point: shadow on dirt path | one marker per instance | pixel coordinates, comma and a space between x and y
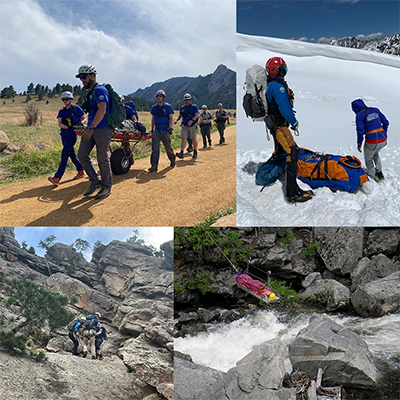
180, 196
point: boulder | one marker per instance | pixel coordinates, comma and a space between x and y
4, 141
196, 382
379, 297
370, 270
150, 364
326, 344
263, 367
258, 375
328, 292
340, 248
383, 240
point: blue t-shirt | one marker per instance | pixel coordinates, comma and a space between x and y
99, 95
161, 115
75, 113
189, 110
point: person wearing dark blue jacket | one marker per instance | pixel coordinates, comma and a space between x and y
75, 333
280, 101
371, 123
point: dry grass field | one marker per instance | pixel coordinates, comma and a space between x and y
32, 162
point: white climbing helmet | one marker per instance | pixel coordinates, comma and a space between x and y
187, 96
67, 95
98, 314
86, 69
160, 91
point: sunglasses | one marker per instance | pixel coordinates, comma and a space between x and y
159, 95
83, 76
187, 99
66, 99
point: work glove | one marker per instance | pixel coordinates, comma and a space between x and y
169, 130
88, 132
359, 149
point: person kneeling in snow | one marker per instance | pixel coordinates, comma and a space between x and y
374, 125
280, 108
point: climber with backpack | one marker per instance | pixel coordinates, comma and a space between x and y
374, 125
68, 117
100, 336
106, 112
280, 102
75, 331
89, 327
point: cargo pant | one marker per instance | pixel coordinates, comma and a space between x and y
372, 159
284, 143
157, 137
101, 138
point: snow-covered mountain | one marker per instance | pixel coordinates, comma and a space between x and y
325, 79
387, 44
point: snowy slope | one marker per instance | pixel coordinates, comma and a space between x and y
325, 79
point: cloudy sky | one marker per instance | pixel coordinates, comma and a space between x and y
132, 43
153, 236
316, 20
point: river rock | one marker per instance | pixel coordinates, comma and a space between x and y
332, 294
385, 240
326, 344
370, 270
379, 297
4, 140
340, 248
258, 375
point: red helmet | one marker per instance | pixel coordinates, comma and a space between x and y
276, 66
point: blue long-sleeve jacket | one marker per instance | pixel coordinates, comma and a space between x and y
278, 100
77, 326
371, 125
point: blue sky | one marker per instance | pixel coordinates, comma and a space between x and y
132, 43
153, 236
315, 19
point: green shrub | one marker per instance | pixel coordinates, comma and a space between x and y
311, 249
288, 237
13, 343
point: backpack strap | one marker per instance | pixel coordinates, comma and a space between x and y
365, 114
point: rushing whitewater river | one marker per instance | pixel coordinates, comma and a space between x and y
225, 344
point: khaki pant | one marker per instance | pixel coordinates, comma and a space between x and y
88, 336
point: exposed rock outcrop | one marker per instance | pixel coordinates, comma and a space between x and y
326, 344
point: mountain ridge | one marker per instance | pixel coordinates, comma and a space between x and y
214, 88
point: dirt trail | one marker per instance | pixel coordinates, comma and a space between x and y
180, 196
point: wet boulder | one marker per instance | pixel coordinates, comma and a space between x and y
346, 357
379, 297
328, 292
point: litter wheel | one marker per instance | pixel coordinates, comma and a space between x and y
120, 162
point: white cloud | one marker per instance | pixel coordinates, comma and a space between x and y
175, 38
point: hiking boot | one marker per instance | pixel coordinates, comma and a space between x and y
209, 144
55, 181
380, 176
299, 198
103, 193
180, 154
92, 188
80, 174
205, 146
172, 165
152, 169
220, 141
84, 354
101, 357
194, 154
189, 149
